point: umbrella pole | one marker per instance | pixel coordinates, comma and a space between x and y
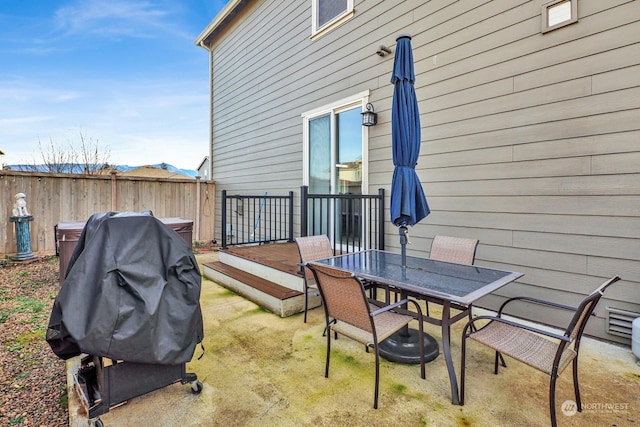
404, 239
404, 345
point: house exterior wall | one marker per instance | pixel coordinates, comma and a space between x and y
204, 169
529, 140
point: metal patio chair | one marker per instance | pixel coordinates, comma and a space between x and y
459, 250
349, 312
311, 248
454, 249
545, 351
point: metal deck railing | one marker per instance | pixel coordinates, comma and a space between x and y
353, 222
256, 219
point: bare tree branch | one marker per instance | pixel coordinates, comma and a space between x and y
56, 158
95, 160
86, 157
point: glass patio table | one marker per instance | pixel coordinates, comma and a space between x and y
454, 286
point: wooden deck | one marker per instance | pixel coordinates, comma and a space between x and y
265, 274
281, 256
256, 282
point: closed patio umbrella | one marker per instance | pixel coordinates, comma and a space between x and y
408, 202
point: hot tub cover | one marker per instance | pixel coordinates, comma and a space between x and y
132, 292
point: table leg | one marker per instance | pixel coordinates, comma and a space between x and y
446, 348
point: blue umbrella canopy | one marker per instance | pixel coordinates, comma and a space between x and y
408, 202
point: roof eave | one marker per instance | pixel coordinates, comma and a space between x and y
205, 160
227, 12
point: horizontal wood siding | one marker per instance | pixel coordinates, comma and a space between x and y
529, 140
530, 145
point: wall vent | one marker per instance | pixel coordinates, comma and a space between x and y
619, 321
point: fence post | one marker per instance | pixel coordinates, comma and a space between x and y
114, 192
223, 210
197, 218
381, 220
304, 206
290, 216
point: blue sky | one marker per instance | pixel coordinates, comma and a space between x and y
126, 73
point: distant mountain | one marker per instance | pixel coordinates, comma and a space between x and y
79, 168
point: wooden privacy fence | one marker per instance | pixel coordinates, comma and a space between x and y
52, 198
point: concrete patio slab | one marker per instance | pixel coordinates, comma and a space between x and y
263, 370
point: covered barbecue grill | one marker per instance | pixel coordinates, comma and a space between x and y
130, 302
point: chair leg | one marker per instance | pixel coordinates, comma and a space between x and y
463, 352
500, 358
306, 302
502, 362
576, 387
552, 399
421, 344
375, 395
326, 365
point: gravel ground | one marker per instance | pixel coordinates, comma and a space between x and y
32, 378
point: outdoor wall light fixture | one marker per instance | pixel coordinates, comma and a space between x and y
383, 51
369, 117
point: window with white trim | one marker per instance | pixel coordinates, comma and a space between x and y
335, 147
327, 14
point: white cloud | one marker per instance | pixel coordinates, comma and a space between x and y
115, 19
23, 91
5, 123
146, 106
140, 122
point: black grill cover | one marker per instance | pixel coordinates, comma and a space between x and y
132, 292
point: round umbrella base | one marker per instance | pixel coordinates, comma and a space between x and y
404, 347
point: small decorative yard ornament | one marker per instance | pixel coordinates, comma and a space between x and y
21, 218
20, 207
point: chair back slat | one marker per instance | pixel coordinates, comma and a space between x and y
585, 309
454, 249
343, 296
313, 248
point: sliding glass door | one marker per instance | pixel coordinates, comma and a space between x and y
335, 166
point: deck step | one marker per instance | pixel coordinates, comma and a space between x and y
272, 296
263, 285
